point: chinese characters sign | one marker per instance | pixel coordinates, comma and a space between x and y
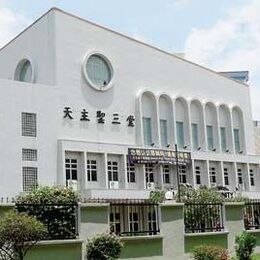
100, 117
139, 155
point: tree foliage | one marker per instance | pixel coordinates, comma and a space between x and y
56, 207
208, 252
18, 233
104, 247
245, 245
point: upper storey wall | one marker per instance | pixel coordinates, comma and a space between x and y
136, 68
36, 43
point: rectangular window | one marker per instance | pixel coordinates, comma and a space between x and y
223, 137
115, 223
182, 174
236, 140
239, 176
180, 134
71, 168
226, 178
166, 174
197, 174
30, 178
130, 172
133, 221
29, 154
212, 176
29, 124
163, 130
210, 137
195, 137
92, 170
149, 174
252, 177
112, 170
147, 131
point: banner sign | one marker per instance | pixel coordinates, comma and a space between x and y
140, 156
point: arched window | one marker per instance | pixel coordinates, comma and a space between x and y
24, 71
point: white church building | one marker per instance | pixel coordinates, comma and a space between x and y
85, 106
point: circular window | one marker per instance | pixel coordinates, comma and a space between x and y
98, 71
24, 71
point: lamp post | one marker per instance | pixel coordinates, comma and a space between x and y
178, 175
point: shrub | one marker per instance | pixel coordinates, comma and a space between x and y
104, 246
208, 252
245, 244
157, 196
18, 233
56, 207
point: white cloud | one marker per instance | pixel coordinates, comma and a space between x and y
232, 43
11, 23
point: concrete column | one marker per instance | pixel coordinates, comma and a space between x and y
172, 230
233, 222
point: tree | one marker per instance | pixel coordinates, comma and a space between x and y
104, 247
18, 233
245, 245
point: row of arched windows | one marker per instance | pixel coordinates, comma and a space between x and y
191, 124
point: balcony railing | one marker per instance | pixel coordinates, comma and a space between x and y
130, 219
252, 215
203, 217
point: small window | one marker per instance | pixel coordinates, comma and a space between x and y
226, 178
197, 173
24, 71
130, 172
98, 71
180, 134
252, 177
163, 131
182, 174
30, 178
112, 170
239, 176
29, 155
71, 168
29, 124
212, 176
210, 137
147, 131
166, 174
92, 170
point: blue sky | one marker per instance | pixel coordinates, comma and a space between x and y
220, 34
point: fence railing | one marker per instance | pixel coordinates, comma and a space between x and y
252, 215
203, 217
61, 220
134, 219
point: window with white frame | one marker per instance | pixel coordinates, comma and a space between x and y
92, 170
180, 134
29, 154
252, 177
226, 178
152, 220
130, 172
112, 170
236, 140
223, 137
147, 131
212, 176
195, 136
197, 174
166, 174
210, 137
183, 174
29, 124
149, 174
115, 221
239, 176
30, 178
71, 169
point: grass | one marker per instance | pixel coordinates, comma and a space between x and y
256, 257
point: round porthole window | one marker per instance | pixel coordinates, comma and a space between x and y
24, 71
98, 71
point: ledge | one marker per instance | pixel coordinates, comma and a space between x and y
206, 234
253, 231
94, 205
172, 204
7, 205
60, 242
234, 204
129, 238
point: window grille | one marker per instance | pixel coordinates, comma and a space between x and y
30, 178
92, 170
239, 176
29, 154
226, 179
212, 176
149, 174
29, 124
130, 172
182, 174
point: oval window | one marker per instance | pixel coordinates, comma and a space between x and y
98, 71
